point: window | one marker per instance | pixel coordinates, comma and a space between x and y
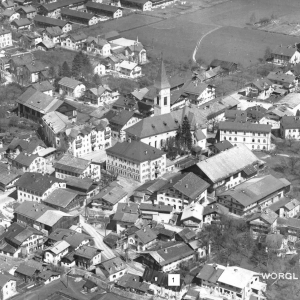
230, 139
244, 139
264, 141
253, 140
165, 101
235, 139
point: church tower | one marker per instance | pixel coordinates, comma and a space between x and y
162, 101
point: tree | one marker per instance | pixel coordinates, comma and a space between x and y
87, 68
65, 70
268, 54
77, 65
186, 135
97, 80
52, 72
253, 19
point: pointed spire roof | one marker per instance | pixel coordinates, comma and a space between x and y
161, 81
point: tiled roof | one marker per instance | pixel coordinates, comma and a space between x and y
255, 189
38, 101
287, 203
54, 31
37, 182
5, 278
43, 86
26, 9
60, 4
235, 115
223, 145
77, 14
267, 215
87, 251
45, 275
71, 163
291, 100
210, 273
61, 197
135, 151
26, 270
126, 217
111, 194
281, 77
146, 235
156, 208
195, 88
50, 21
69, 82
227, 163
113, 265
215, 209
171, 254
192, 211
122, 118
28, 146
187, 234
284, 50
6, 175
51, 217
74, 238
25, 159
31, 210
246, 127
21, 22
56, 121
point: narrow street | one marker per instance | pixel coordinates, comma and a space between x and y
107, 252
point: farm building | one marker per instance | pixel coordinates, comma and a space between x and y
283, 55
144, 5
78, 17
45, 22
104, 10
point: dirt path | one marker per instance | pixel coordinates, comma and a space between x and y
199, 42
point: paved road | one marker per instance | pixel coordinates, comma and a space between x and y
107, 252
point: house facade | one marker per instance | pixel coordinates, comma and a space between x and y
254, 136
5, 38
71, 87
290, 127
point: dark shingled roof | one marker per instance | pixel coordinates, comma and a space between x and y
25, 159
37, 182
101, 7
210, 273
247, 126
135, 151
223, 145
113, 265
74, 13
49, 21
290, 122
72, 164
61, 197
31, 210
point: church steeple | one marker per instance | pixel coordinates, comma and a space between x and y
161, 81
162, 101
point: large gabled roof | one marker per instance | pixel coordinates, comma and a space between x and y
61, 197
71, 163
77, 14
245, 127
69, 82
101, 7
25, 159
50, 21
227, 163
135, 151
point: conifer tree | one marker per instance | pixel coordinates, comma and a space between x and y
186, 136
77, 65
65, 70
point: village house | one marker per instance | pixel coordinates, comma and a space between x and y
254, 136
169, 257
143, 5
90, 286
99, 96
53, 254
64, 200
80, 17
47, 276
31, 145
8, 286
44, 86
127, 215
53, 34
290, 127
227, 169
28, 162
136, 53
74, 238
159, 213
109, 198
19, 241
7, 4
8, 177
10, 15
286, 81
263, 223
36, 187
220, 147
290, 227
186, 235
44, 22
121, 121
87, 257
192, 215
286, 207
98, 67
130, 69
85, 186
159, 284
181, 190
291, 102
227, 66
21, 24
198, 93
96, 45
231, 282
73, 166
5, 38
28, 12
84, 139
212, 213
43, 217
71, 87
133, 283
136, 160
112, 269
142, 239
27, 273
283, 55
53, 9
104, 9
259, 88
254, 194
74, 41
161, 3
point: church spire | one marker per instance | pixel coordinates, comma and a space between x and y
161, 82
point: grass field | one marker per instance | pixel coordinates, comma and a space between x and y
178, 36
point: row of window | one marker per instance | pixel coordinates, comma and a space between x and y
244, 140
245, 133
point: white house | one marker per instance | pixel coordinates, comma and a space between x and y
199, 92
130, 69
290, 127
54, 254
98, 46
71, 87
112, 269
8, 286
28, 162
282, 55
254, 136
